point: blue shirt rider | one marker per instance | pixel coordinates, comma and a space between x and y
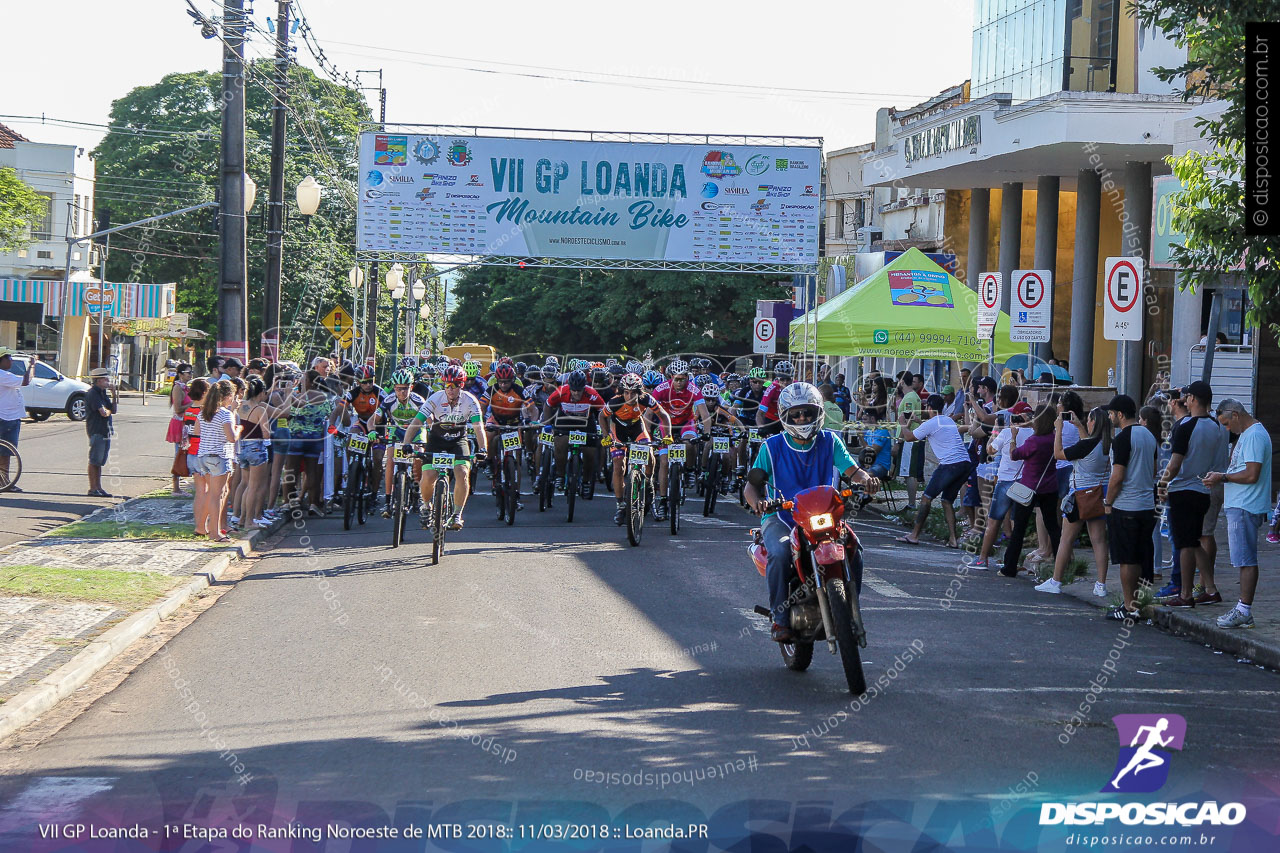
801, 457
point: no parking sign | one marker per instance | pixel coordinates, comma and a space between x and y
1030, 310
765, 335
1120, 320
989, 286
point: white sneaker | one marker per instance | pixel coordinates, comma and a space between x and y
1050, 585
1235, 619
1100, 589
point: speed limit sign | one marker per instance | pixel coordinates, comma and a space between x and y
765, 335
1121, 314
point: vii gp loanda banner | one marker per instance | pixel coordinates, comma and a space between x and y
584, 199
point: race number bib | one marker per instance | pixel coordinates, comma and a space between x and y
577, 438
753, 434
403, 455
720, 444
639, 454
282, 423
676, 453
358, 443
442, 461
545, 439
510, 441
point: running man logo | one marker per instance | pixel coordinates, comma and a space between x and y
1143, 764
881, 336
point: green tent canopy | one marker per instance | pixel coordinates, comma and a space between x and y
912, 308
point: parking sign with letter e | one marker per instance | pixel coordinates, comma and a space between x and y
1122, 310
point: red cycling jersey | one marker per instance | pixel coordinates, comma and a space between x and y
679, 404
578, 414
770, 402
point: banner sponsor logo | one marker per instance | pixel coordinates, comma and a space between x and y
758, 165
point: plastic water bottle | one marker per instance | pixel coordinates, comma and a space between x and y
1111, 377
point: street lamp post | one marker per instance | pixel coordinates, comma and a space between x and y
356, 277
308, 198
416, 292
395, 283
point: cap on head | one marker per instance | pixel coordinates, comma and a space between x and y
1123, 404
1202, 391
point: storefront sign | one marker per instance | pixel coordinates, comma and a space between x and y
957, 133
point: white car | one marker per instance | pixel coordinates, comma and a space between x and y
50, 391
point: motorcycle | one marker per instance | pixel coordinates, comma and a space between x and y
827, 562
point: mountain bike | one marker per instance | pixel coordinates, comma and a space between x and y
715, 476
575, 481
403, 490
546, 470
677, 459
637, 488
442, 506
355, 492
506, 483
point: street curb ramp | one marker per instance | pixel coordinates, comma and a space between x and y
75, 673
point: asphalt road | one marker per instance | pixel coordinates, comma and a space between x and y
336, 669
55, 455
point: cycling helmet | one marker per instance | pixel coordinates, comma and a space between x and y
784, 368
704, 379
429, 370
453, 375
363, 374
631, 382
472, 369
456, 361
533, 374
756, 373
408, 361
732, 377
652, 379
634, 366
577, 381
678, 367
616, 369
800, 397
506, 359
403, 376
551, 359
521, 367
601, 379
504, 373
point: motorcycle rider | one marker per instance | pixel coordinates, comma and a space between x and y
801, 457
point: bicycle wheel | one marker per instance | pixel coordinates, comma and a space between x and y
349, 497
398, 498
511, 471
713, 486
499, 492
439, 511
635, 492
573, 482
546, 482
361, 492
675, 494
9, 478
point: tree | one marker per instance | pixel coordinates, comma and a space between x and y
20, 208
163, 154
1211, 209
608, 311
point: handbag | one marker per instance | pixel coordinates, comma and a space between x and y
1089, 503
1023, 494
179, 468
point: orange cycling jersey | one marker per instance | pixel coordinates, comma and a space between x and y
505, 405
629, 413
365, 403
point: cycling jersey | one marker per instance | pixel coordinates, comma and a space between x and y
365, 403
450, 422
680, 405
538, 394
423, 389
575, 414
629, 413
399, 414
504, 405
770, 401
475, 387
746, 402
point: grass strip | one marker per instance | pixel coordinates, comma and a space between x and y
125, 589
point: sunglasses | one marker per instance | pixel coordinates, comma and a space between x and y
804, 415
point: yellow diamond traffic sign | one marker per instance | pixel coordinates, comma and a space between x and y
344, 341
338, 322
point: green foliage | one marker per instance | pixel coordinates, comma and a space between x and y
142, 174
20, 208
607, 310
1211, 209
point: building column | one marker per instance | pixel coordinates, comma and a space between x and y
1084, 276
1010, 237
1136, 240
979, 218
9, 334
1046, 256
1188, 310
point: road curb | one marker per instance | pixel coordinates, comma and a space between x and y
66, 679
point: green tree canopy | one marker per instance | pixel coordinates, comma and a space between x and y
20, 208
599, 311
1211, 210
163, 155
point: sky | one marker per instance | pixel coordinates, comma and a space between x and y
657, 66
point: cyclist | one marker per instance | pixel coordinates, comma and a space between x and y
507, 407
623, 420
652, 379
447, 414
767, 413
721, 417
573, 406
362, 401
802, 457
424, 382
683, 402
397, 410
475, 386
605, 384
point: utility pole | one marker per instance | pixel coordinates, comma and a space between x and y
233, 320
275, 201
372, 290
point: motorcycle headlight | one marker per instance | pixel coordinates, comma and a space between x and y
821, 522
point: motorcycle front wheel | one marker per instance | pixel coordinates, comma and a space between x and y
842, 622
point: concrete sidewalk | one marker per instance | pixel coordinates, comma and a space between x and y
73, 599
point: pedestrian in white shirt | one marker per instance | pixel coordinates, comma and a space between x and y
954, 464
12, 410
